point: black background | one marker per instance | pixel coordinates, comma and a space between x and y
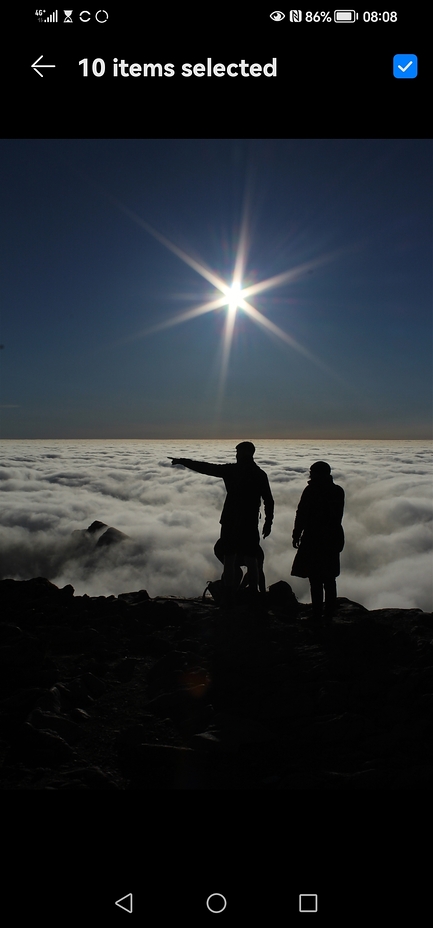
333, 80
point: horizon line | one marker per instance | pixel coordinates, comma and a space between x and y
223, 438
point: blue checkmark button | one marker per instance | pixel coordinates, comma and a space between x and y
405, 66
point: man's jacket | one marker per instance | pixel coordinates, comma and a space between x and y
246, 484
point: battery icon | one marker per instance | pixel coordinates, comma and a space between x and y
345, 16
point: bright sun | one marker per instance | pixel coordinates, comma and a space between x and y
234, 295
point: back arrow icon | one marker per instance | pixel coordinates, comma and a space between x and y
41, 65
125, 903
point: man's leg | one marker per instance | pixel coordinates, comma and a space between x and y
252, 573
330, 596
229, 573
316, 587
262, 581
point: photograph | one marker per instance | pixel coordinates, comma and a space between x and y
216, 470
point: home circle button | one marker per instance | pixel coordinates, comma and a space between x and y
216, 902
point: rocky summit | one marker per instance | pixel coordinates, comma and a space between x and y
130, 692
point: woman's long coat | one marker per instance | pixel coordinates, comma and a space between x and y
318, 525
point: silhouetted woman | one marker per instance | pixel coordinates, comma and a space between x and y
318, 535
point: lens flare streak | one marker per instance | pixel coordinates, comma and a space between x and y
234, 296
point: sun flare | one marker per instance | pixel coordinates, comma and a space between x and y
234, 295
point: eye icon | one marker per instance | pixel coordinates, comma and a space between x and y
277, 15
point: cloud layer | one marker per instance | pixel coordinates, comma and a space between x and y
171, 515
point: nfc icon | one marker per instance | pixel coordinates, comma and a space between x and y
295, 16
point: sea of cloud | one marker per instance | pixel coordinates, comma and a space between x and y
49, 489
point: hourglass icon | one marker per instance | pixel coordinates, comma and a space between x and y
68, 16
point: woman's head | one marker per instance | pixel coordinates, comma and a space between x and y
320, 471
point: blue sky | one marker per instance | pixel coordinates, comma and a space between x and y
82, 280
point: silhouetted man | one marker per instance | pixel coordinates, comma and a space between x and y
247, 485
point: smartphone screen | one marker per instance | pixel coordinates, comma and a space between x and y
216, 229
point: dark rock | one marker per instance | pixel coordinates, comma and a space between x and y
417, 777
347, 608
152, 645
94, 686
49, 721
96, 528
124, 669
35, 746
332, 696
165, 669
98, 535
110, 537
38, 588
50, 701
9, 633
79, 715
95, 778
133, 598
15, 709
161, 766
262, 698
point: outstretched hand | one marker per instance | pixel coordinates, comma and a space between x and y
266, 529
295, 542
176, 461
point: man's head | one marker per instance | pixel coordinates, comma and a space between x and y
244, 452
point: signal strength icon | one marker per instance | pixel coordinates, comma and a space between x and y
51, 18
